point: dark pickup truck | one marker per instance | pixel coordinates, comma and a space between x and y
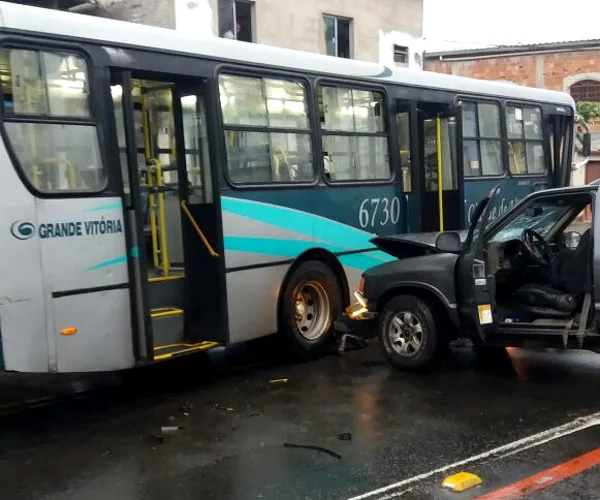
527, 279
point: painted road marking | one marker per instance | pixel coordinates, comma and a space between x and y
398, 489
545, 478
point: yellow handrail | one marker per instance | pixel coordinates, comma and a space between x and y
150, 180
198, 230
162, 220
152, 216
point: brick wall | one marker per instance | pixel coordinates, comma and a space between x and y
556, 71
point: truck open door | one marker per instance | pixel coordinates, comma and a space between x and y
475, 289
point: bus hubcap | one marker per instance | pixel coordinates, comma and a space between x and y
406, 334
312, 310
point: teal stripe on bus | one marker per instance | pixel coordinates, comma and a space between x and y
112, 262
314, 226
364, 261
108, 206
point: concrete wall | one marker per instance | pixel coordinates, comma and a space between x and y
297, 24
160, 13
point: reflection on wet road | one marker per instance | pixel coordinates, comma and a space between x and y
386, 426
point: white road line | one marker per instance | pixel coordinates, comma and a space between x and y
576, 425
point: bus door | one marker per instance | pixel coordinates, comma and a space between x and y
406, 134
173, 214
440, 193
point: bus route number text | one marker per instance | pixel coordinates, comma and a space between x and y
379, 211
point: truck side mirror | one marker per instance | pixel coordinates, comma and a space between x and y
586, 144
448, 242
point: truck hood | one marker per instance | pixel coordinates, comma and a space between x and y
402, 246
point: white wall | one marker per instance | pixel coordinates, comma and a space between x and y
195, 17
387, 40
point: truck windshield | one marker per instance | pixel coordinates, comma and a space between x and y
541, 217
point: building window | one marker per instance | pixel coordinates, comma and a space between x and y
586, 90
267, 130
235, 20
355, 136
137, 14
525, 140
482, 144
337, 36
400, 55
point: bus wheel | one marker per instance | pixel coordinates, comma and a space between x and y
311, 302
408, 334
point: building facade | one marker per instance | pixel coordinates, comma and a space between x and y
572, 67
386, 31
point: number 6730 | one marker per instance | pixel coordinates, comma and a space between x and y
379, 211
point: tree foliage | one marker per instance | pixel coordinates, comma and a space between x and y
588, 110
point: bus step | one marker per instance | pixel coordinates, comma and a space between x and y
171, 350
165, 312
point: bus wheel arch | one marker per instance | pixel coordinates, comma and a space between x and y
312, 295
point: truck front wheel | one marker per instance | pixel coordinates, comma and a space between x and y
409, 337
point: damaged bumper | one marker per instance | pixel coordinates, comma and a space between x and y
357, 319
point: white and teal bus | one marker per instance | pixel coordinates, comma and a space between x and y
162, 195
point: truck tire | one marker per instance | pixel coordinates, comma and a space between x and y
311, 302
409, 337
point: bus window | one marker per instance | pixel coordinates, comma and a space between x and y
48, 120
403, 124
195, 138
267, 131
482, 144
525, 142
116, 92
354, 134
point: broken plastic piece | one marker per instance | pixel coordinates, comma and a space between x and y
461, 481
313, 447
171, 428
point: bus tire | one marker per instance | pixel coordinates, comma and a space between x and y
408, 334
310, 304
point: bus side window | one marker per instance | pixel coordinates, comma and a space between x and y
354, 134
48, 120
267, 130
482, 143
525, 140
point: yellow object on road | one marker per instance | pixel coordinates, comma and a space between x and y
461, 482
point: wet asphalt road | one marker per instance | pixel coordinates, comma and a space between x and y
235, 423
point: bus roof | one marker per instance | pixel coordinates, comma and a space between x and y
36, 20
